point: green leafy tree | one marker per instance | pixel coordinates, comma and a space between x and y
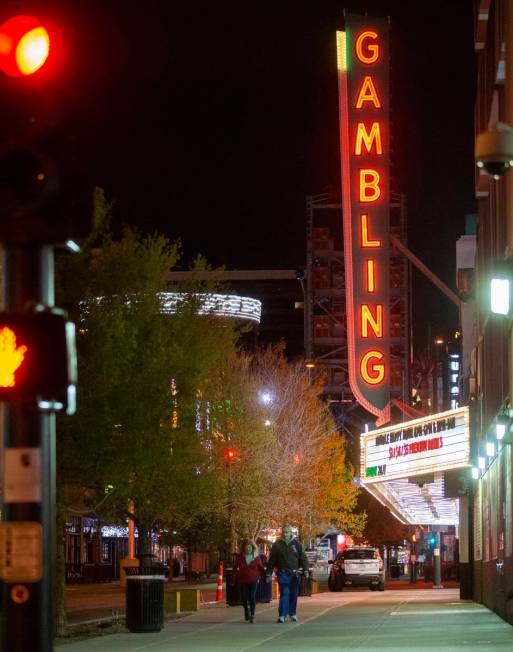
134, 435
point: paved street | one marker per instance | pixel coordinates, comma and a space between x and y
421, 619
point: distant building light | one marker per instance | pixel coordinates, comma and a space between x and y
439, 340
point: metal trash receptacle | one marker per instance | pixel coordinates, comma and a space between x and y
305, 585
145, 597
233, 591
264, 592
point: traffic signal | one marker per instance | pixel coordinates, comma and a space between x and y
45, 196
24, 46
230, 454
38, 359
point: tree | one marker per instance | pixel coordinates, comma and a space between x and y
134, 435
288, 461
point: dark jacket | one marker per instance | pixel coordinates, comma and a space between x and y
287, 557
247, 573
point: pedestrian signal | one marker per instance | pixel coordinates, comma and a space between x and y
38, 359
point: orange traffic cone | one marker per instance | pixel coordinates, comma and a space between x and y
219, 594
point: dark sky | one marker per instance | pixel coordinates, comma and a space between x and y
211, 122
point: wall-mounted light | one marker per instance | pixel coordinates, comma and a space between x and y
501, 426
481, 463
475, 473
490, 448
500, 288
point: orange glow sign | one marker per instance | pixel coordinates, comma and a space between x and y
11, 357
362, 58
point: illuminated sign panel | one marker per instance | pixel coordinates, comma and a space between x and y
431, 444
362, 57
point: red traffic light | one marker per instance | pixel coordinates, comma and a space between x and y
24, 46
230, 454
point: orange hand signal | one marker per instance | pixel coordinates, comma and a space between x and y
11, 357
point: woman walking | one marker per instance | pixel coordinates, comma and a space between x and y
247, 570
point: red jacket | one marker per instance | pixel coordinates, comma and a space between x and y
247, 574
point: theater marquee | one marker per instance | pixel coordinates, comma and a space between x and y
362, 56
423, 446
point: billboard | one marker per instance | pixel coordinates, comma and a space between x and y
432, 444
363, 62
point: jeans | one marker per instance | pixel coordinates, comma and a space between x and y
248, 594
289, 589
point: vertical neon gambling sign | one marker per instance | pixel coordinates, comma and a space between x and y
362, 59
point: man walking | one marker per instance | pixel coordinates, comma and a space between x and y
288, 558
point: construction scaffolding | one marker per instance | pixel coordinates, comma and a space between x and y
325, 303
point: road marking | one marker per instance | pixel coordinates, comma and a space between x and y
441, 612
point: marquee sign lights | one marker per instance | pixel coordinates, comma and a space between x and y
431, 444
362, 57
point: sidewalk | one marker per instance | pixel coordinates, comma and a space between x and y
97, 602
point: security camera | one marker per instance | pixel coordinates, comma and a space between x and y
494, 149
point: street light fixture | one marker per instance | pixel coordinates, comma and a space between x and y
266, 397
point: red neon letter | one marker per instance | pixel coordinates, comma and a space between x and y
368, 93
372, 53
369, 180
371, 275
372, 372
362, 137
368, 319
365, 233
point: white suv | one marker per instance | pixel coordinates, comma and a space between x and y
357, 566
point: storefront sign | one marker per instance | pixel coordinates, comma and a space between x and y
434, 443
362, 56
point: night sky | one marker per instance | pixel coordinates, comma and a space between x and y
211, 122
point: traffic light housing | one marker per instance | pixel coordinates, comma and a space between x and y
45, 193
38, 359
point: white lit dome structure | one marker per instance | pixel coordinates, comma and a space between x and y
218, 305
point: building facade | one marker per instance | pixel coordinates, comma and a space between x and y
489, 372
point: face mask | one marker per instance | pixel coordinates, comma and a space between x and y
287, 535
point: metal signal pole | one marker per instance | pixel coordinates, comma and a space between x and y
28, 532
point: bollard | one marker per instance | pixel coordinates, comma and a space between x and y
219, 594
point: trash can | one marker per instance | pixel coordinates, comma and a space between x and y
145, 596
395, 572
233, 591
264, 592
305, 585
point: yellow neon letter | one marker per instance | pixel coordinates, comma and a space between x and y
372, 53
368, 319
365, 233
368, 93
371, 275
372, 372
362, 137
369, 180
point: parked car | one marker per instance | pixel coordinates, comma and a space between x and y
357, 566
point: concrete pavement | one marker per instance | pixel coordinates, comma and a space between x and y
393, 621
